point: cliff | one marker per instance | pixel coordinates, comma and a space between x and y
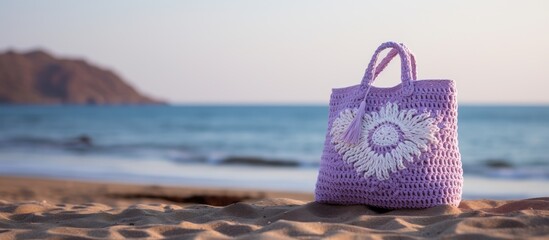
37, 77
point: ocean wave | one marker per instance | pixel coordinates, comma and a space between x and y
507, 170
32, 141
86, 144
182, 154
257, 161
172, 152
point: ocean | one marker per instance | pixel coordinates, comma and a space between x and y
505, 149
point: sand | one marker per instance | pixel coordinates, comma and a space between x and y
42, 208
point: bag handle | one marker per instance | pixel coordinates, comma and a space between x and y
353, 132
381, 66
406, 74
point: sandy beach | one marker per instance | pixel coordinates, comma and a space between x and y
34, 208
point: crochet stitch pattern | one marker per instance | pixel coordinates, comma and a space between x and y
407, 153
388, 138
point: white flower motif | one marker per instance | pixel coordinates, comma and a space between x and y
388, 138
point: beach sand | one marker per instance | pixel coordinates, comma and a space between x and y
33, 208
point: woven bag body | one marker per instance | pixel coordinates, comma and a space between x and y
392, 147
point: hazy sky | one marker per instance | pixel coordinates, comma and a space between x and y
291, 51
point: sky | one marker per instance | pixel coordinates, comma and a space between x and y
287, 51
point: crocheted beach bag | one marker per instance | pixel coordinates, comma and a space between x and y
392, 147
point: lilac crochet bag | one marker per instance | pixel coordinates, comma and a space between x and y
392, 147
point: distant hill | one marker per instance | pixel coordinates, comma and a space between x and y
37, 77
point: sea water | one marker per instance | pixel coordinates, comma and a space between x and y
504, 148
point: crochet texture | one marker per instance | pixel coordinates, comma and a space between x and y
407, 154
388, 139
